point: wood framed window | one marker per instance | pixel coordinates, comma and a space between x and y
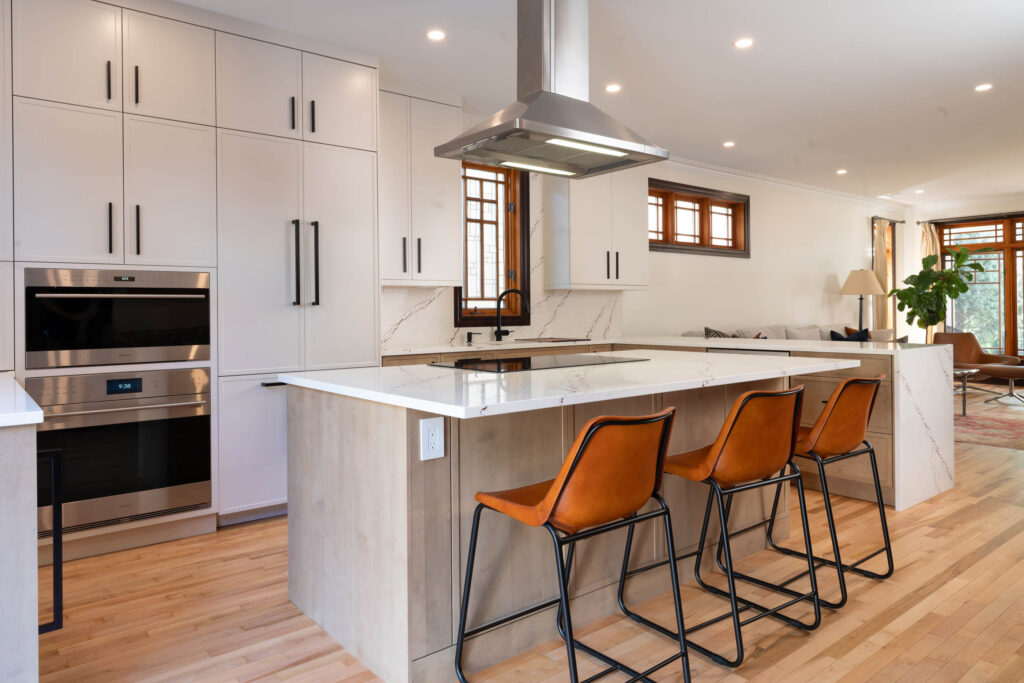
697, 220
993, 307
497, 246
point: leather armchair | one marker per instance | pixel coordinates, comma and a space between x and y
967, 352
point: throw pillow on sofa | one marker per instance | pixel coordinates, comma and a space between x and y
712, 333
857, 336
805, 332
873, 335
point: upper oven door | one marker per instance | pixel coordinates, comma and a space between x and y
99, 322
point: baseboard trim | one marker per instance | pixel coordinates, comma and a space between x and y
252, 515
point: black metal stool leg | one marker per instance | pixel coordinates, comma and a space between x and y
885, 526
566, 617
830, 518
465, 594
674, 573
816, 601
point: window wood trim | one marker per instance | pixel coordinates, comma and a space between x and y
1008, 246
706, 197
517, 242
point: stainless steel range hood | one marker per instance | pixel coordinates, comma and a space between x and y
552, 128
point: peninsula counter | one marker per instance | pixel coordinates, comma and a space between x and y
376, 536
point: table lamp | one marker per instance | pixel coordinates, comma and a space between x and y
862, 282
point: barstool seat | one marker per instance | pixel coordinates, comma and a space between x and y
613, 469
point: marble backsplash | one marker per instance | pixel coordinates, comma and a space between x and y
412, 317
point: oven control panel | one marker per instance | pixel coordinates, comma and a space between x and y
74, 389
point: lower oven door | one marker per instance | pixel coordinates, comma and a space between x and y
126, 460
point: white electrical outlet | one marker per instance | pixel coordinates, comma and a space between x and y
432, 438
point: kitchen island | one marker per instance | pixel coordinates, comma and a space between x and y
376, 535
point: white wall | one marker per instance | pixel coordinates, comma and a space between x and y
803, 244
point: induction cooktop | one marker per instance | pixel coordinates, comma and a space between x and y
533, 362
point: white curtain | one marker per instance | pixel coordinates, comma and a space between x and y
930, 245
880, 303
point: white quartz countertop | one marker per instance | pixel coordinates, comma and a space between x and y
468, 394
809, 345
16, 407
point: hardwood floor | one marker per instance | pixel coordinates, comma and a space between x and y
215, 607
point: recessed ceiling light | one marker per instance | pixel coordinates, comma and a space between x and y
613, 87
586, 148
884, 196
984, 87
728, 144
435, 34
744, 43
918, 191
840, 171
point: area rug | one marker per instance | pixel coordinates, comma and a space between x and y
990, 431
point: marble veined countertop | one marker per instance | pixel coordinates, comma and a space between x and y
810, 345
467, 394
16, 407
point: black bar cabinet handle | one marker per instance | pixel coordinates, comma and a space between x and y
110, 227
312, 116
405, 256
136, 84
316, 262
419, 254
608, 265
138, 230
616, 265
108, 80
271, 384
293, 113
298, 266
56, 505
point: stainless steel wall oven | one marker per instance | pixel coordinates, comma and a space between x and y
106, 317
132, 445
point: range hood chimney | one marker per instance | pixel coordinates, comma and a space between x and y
552, 128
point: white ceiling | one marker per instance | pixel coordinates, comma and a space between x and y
883, 88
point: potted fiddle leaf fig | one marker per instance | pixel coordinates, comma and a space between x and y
924, 297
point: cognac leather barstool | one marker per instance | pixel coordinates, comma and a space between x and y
613, 469
840, 433
753, 449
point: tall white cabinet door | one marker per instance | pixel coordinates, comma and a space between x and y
259, 205
6, 199
168, 69
393, 158
436, 195
68, 51
170, 192
339, 208
629, 226
6, 315
252, 444
67, 183
590, 252
339, 102
259, 86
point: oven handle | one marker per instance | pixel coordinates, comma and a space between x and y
43, 295
185, 404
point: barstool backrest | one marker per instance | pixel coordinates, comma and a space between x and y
758, 436
843, 422
612, 470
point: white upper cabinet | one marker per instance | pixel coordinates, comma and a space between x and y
339, 102
596, 232
68, 51
260, 296
436, 195
67, 183
6, 200
341, 284
393, 158
259, 86
421, 233
170, 192
168, 69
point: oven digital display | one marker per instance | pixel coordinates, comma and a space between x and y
124, 278
124, 386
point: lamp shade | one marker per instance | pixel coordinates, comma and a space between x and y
862, 282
